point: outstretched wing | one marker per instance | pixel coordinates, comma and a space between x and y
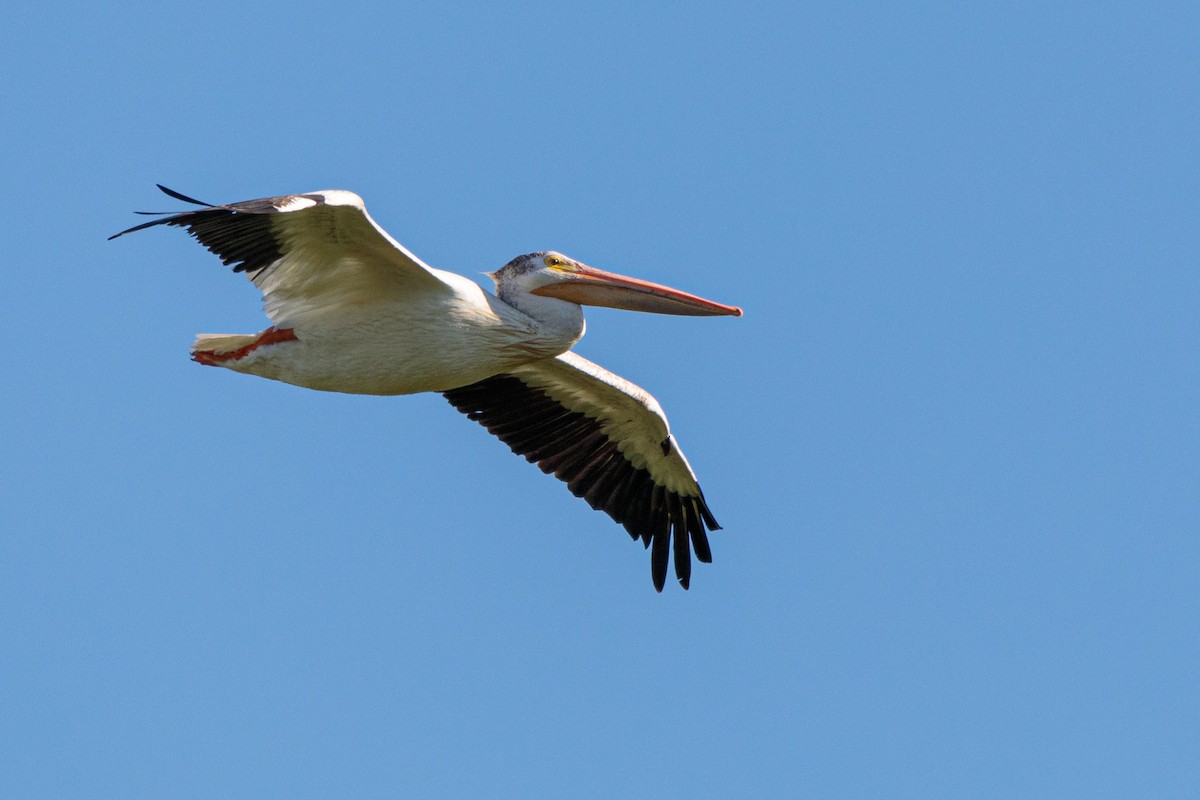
609, 440
308, 253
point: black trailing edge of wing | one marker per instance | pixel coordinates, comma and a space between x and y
573, 447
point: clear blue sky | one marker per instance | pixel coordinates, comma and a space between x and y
954, 442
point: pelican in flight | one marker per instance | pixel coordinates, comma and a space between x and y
353, 311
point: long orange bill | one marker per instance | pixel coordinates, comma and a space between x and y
589, 286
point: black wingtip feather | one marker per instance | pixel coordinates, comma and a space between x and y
709, 519
683, 556
659, 551
183, 197
141, 227
166, 217
699, 538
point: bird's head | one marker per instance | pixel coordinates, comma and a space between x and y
551, 274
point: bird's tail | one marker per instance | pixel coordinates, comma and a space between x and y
218, 349
225, 349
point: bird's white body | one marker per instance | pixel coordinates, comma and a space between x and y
445, 338
353, 311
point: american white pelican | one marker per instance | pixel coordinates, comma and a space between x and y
353, 311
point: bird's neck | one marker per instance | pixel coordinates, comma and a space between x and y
557, 319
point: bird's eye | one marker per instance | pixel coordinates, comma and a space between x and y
554, 262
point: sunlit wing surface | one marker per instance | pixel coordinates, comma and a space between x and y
306, 252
